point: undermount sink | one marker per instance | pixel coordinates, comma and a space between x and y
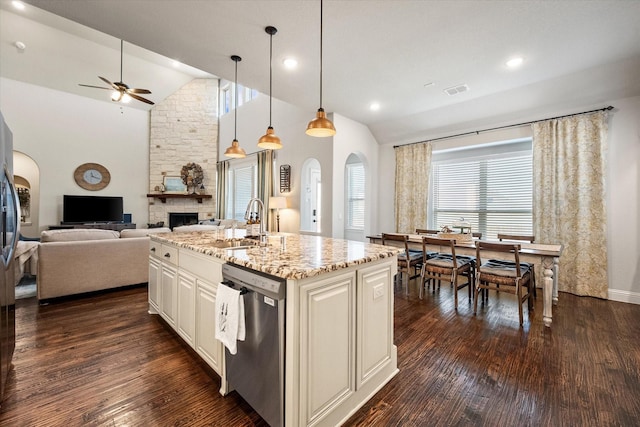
235, 244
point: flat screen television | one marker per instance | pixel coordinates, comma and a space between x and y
83, 209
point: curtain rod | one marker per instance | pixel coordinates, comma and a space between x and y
256, 153
504, 127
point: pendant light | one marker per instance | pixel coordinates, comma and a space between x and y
270, 140
320, 126
235, 151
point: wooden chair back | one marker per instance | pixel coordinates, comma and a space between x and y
516, 237
447, 244
507, 248
425, 231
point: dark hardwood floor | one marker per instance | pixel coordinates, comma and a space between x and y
103, 361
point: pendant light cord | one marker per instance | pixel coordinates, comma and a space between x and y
270, 73
321, 53
121, 48
235, 109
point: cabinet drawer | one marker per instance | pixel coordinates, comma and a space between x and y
155, 248
207, 268
169, 254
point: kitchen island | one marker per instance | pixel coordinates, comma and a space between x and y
339, 347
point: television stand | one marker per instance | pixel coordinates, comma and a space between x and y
116, 226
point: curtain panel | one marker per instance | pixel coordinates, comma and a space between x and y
413, 165
569, 190
265, 184
222, 169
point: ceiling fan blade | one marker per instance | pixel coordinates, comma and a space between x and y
95, 87
138, 91
109, 83
139, 98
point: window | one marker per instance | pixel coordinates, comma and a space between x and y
241, 187
490, 187
355, 195
245, 95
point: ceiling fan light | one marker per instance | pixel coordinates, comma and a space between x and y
320, 126
125, 98
270, 141
235, 151
116, 95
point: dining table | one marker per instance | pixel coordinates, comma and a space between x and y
544, 256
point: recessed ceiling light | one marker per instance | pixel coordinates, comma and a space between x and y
290, 63
515, 62
20, 45
375, 106
18, 4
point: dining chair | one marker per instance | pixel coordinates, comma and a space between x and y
407, 260
477, 235
522, 238
511, 276
446, 265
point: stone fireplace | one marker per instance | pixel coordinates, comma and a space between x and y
176, 219
184, 129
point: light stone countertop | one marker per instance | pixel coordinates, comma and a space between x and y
303, 255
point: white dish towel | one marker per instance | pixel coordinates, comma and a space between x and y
230, 322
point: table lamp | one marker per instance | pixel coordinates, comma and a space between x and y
277, 202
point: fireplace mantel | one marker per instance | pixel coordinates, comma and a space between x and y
163, 196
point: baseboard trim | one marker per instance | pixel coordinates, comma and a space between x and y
624, 296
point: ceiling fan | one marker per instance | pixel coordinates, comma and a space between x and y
121, 92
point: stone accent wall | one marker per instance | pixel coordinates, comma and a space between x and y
184, 128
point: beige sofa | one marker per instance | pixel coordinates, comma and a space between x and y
75, 261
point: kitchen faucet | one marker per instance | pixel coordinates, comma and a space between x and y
263, 235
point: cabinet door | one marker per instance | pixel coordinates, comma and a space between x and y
327, 345
207, 346
168, 298
154, 288
186, 324
375, 321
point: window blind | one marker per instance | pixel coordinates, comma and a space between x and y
492, 191
242, 185
355, 196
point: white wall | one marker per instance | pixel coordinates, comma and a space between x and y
60, 131
354, 137
623, 201
289, 123
623, 204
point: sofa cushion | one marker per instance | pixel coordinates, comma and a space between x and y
75, 234
142, 232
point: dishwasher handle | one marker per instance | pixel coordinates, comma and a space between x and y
229, 283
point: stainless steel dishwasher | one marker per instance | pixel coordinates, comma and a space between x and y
256, 371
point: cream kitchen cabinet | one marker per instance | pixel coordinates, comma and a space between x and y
207, 346
186, 321
182, 289
339, 342
339, 347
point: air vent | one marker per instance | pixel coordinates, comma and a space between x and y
454, 90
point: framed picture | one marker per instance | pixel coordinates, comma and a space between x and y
174, 185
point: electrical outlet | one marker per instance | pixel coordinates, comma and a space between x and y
378, 291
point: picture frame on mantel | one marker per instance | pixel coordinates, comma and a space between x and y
174, 185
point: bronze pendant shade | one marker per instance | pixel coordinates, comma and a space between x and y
270, 140
320, 126
235, 151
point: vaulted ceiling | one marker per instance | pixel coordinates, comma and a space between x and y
401, 54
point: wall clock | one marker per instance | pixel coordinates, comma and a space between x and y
92, 176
